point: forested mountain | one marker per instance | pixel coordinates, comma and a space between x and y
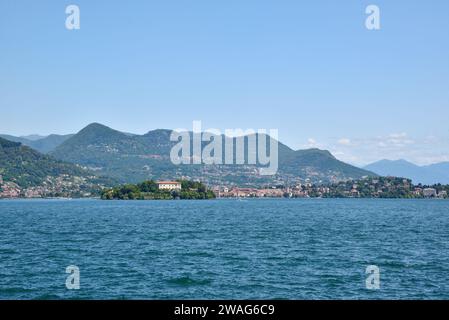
28, 168
134, 158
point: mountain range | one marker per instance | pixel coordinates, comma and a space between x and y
426, 175
131, 158
43, 144
134, 158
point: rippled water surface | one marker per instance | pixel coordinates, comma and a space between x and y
224, 249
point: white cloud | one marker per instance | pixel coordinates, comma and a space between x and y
398, 139
344, 141
398, 135
311, 143
364, 150
361, 151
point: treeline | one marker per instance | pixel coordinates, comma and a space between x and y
149, 190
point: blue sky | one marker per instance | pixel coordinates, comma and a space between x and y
308, 68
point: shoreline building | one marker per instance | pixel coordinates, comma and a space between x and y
169, 185
430, 193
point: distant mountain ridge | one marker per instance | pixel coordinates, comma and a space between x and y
33, 137
39, 143
431, 174
134, 158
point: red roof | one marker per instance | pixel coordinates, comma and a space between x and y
168, 182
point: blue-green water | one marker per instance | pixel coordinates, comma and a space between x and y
224, 249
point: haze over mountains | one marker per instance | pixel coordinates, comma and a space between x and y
428, 175
134, 158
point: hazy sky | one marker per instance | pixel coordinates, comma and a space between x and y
309, 68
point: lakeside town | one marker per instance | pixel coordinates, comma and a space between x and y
66, 186
381, 187
63, 186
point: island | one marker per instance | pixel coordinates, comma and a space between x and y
159, 190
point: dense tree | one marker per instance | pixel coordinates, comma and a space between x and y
148, 190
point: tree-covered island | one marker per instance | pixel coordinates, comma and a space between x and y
152, 190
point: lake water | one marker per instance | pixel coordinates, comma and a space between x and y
224, 249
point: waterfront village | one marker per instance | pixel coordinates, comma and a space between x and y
368, 187
380, 187
64, 186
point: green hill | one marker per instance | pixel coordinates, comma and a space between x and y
29, 168
320, 164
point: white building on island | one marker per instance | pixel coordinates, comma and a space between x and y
169, 185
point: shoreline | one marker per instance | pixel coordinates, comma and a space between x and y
223, 198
